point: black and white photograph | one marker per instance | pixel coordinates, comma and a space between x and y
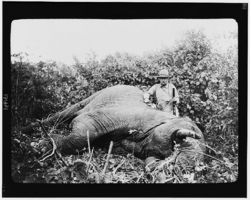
124, 101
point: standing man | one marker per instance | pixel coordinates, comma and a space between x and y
165, 94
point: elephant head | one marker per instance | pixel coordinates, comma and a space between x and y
181, 136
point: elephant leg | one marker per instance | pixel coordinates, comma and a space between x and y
89, 126
83, 131
136, 149
132, 147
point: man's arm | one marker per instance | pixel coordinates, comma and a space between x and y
150, 92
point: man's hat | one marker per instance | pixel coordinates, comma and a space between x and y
163, 74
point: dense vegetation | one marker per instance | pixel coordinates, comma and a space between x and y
207, 82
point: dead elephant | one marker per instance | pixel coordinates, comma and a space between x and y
119, 114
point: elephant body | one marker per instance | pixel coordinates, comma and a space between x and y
119, 114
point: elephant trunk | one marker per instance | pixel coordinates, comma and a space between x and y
189, 152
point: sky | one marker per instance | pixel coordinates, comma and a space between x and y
61, 40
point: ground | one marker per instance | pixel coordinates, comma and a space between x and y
99, 166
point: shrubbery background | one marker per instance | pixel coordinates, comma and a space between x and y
207, 82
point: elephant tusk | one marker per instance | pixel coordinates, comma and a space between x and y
183, 133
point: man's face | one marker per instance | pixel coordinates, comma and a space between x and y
163, 81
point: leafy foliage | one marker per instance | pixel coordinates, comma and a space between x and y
207, 82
